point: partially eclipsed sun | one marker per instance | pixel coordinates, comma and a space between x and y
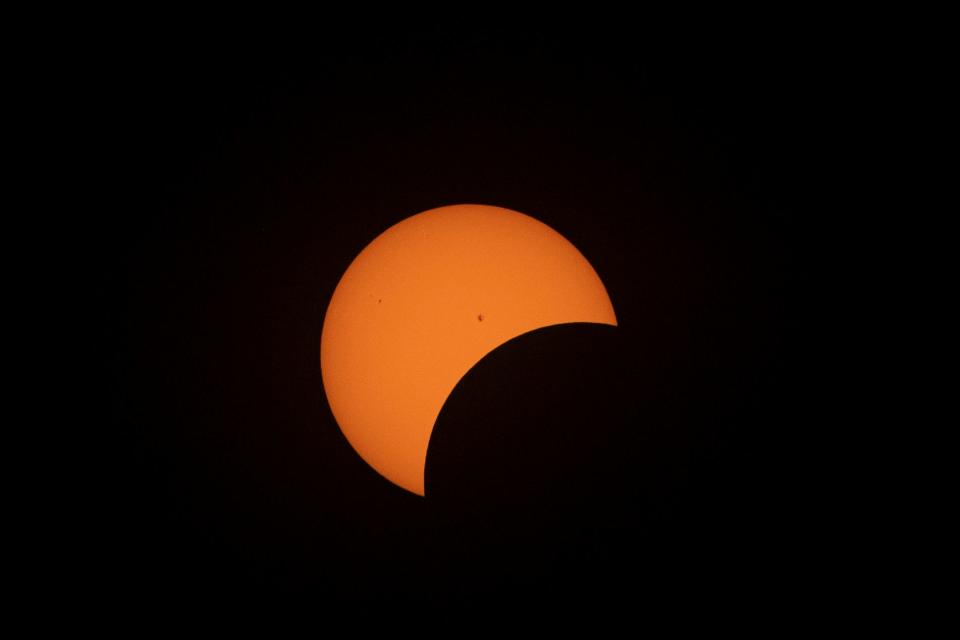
423, 303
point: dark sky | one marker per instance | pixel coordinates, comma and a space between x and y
668, 454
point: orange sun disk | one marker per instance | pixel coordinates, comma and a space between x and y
423, 303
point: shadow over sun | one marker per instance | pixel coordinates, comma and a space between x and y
423, 303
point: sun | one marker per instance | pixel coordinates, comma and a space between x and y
423, 303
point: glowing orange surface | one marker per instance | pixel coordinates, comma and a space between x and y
423, 303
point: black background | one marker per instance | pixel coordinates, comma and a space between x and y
670, 455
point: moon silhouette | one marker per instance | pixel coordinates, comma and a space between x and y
423, 303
